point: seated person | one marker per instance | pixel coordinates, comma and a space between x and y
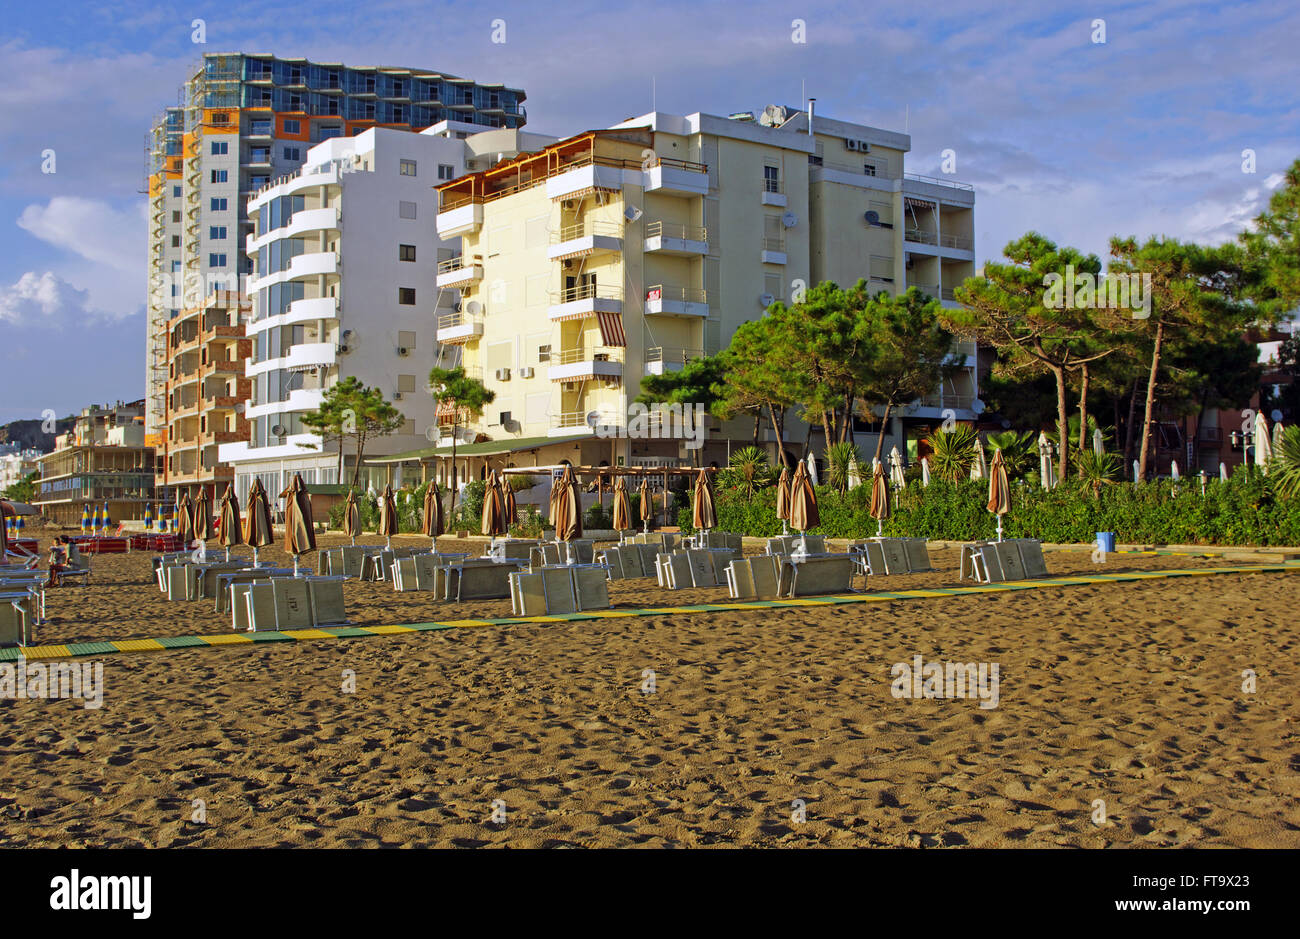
75, 560
57, 563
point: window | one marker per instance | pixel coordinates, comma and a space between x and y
406, 296
406, 167
446, 171
869, 169
216, 232
220, 147
219, 176
771, 179
292, 126
220, 117
327, 133
406, 209
406, 252
176, 216
293, 153
176, 241
217, 205
406, 384
216, 260
544, 353
176, 191
406, 339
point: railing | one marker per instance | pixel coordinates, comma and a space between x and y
449, 200
457, 264
686, 294
672, 355
956, 241
673, 230
587, 292
773, 185
930, 290
459, 318
575, 419
951, 184
947, 401
920, 236
774, 243
584, 229
593, 354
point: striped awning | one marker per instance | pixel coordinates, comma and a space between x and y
583, 193
611, 329
569, 255
566, 317
918, 203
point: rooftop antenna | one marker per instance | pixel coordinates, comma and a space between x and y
907, 117
654, 96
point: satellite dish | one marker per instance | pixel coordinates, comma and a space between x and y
789, 220
873, 218
1006, 424
977, 406
278, 430
1276, 415
632, 213
593, 418
473, 308
766, 299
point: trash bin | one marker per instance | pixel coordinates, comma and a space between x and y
1106, 541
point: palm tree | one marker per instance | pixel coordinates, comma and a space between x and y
1019, 450
1096, 469
749, 470
1285, 468
953, 452
840, 458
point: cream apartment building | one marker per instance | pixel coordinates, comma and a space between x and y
625, 252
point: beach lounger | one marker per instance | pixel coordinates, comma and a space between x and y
918, 555
674, 570
979, 562
1009, 559
543, 555
754, 578
580, 551
327, 605
591, 586
405, 575
292, 603
816, 576
1031, 557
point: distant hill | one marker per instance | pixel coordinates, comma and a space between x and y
29, 434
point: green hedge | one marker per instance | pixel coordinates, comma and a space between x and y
1242, 511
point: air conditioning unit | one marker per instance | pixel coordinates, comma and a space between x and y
568, 204
344, 349
503, 374
503, 418
569, 385
526, 372
397, 396
402, 350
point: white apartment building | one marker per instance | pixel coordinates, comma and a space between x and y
344, 253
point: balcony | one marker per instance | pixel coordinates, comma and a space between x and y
930, 290
298, 400
314, 264
212, 437
304, 356
772, 250
676, 178
685, 241
583, 301
223, 367
590, 177
585, 239
960, 242
456, 272
604, 362
460, 219
569, 423
773, 193
312, 308
306, 220
661, 359
455, 328
690, 302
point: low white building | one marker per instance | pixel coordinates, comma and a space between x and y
345, 254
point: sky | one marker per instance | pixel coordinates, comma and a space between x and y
1142, 134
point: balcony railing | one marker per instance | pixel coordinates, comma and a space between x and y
457, 263
578, 419
955, 401
587, 292
459, 318
585, 230
960, 242
672, 355
773, 185
592, 354
951, 184
686, 294
673, 230
920, 236
774, 243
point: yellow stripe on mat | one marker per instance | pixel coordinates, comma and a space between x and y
138, 645
226, 639
388, 630
48, 652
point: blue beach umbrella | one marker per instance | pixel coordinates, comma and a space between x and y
148, 516
85, 518
108, 519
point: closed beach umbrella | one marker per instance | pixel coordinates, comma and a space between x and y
803, 504
86, 522
999, 490
1173, 470
148, 516
896, 469
1223, 472
853, 478
1046, 472
184, 518
432, 524
352, 516
494, 513
704, 516
647, 504
299, 532
97, 521
108, 520
925, 471
979, 469
257, 518
231, 532
387, 516
1277, 436
566, 507
1097, 447
879, 498
1263, 446
812, 470
622, 506
783, 499
508, 502
202, 520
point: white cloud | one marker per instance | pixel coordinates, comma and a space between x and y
47, 300
90, 228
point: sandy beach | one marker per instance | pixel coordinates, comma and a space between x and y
1129, 693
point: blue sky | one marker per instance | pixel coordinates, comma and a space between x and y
1140, 135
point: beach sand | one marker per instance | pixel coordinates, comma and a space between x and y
1129, 693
